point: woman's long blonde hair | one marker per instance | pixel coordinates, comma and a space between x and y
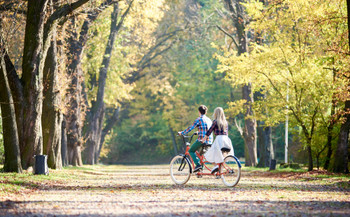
220, 118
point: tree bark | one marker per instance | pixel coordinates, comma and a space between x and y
75, 107
309, 153
11, 142
249, 130
33, 64
330, 138
18, 98
340, 161
266, 152
329, 151
110, 123
52, 120
64, 150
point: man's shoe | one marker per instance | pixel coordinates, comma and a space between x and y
197, 168
215, 169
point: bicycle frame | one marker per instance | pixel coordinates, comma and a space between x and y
201, 159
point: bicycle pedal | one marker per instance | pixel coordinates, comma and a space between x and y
218, 177
199, 176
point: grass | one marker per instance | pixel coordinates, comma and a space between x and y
277, 170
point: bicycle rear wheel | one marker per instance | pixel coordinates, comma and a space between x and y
180, 170
231, 171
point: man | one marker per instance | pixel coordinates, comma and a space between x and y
203, 123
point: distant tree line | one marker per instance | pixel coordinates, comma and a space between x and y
113, 80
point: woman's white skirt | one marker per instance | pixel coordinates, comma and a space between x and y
214, 154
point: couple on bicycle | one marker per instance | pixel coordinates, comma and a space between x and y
205, 128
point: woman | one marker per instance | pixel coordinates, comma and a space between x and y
220, 128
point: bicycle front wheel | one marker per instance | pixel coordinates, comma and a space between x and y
231, 171
180, 170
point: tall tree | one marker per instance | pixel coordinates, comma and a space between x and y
11, 142
97, 110
32, 74
77, 103
52, 120
237, 14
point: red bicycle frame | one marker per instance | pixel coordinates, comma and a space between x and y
201, 159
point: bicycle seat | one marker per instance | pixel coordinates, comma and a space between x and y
225, 149
204, 148
206, 145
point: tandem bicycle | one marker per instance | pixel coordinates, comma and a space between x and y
181, 166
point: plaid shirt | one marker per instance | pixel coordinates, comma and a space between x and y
215, 127
203, 123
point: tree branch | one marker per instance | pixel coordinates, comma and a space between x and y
123, 16
13, 6
56, 16
228, 34
238, 126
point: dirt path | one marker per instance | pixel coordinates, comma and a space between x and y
149, 191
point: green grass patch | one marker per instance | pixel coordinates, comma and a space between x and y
288, 169
82, 168
277, 170
254, 169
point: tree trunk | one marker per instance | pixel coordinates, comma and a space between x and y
110, 123
173, 139
249, 130
265, 145
330, 136
52, 120
11, 142
76, 111
309, 153
270, 149
64, 149
17, 94
329, 148
340, 161
247, 158
32, 67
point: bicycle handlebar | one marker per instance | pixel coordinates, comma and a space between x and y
183, 137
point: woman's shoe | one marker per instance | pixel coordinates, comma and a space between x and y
215, 169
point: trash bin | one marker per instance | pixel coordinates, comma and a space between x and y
272, 164
41, 165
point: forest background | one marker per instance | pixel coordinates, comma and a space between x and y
113, 81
